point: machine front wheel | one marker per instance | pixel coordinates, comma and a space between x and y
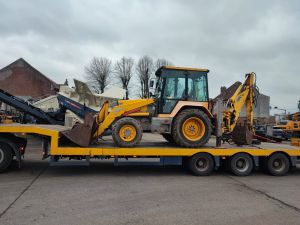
127, 132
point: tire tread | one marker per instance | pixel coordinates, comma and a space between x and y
117, 126
176, 128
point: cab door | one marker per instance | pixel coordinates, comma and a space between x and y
173, 90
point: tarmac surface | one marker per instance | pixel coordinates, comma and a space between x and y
104, 194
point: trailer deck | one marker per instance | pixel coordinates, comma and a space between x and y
149, 147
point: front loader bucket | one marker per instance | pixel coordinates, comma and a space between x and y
82, 134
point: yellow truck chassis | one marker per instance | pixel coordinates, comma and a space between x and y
260, 154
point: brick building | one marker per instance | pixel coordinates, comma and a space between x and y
23, 80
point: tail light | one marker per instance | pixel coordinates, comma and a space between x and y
22, 149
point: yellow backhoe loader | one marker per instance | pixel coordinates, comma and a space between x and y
179, 110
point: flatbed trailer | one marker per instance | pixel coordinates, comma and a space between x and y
276, 159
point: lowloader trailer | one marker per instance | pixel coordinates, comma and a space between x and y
276, 159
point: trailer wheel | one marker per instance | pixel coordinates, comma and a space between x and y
127, 132
241, 164
6, 156
277, 164
201, 164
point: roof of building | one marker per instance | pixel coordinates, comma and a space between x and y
22, 63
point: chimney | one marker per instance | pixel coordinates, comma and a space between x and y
223, 89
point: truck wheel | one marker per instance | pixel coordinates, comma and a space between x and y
6, 156
201, 164
191, 128
277, 164
127, 132
169, 138
241, 164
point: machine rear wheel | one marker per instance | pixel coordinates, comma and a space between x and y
127, 132
191, 128
6, 156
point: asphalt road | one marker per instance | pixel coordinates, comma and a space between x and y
104, 194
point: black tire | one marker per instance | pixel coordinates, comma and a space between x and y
116, 132
277, 164
179, 120
168, 138
201, 164
6, 156
241, 164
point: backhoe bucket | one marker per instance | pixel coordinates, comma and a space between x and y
82, 134
241, 135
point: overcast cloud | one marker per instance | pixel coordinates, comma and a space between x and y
230, 38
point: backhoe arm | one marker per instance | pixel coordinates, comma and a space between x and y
244, 95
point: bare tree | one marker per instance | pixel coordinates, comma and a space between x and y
162, 62
123, 70
98, 72
144, 69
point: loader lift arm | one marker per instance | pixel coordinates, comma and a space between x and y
94, 127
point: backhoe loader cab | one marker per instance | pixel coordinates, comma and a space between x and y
176, 84
181, 106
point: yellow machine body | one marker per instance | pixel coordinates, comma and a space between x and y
187, 104
289, 126
162, 121
125, 108
6, 119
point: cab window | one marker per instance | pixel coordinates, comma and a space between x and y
182, 85
197, 88
173, 92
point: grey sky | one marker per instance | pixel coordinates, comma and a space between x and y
230, 38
